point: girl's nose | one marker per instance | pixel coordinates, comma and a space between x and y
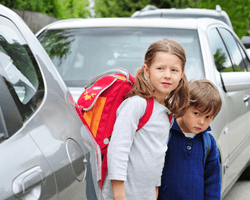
167, 74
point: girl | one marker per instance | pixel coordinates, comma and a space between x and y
135, 159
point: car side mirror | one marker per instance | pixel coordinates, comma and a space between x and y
246, 41
248, 52
235, 81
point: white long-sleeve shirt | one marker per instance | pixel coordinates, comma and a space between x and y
137, 158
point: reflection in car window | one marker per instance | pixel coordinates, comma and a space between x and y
245, 58
239, 64
221, 57
19, 68
80, 54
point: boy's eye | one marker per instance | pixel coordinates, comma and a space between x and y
208, 117
196, 113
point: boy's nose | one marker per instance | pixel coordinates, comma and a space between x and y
201, 120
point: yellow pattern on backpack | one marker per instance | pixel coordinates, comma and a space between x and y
88, 96
93, 116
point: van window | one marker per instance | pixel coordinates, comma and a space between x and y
221, 57
82, 53
234, 51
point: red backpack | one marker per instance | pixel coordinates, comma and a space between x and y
99, 102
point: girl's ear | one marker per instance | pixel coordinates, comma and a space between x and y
146, 70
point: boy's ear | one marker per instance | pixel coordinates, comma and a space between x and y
146, 70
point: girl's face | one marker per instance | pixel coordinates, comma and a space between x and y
165, 74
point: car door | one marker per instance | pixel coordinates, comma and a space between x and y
24, 172
230, 57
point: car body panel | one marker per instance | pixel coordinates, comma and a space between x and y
117, 22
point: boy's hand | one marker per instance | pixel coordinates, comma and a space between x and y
118, 190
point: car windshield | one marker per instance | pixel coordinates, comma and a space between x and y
80, 54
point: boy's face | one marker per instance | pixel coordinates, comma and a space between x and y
194, 121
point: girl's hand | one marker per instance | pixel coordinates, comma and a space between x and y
157, 192
118, 190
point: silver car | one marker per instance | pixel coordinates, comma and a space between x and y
46, 151
150, 11
83, 48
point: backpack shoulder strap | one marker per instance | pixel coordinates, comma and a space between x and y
170, 117
147, 114
207, 145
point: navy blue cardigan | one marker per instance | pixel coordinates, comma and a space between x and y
185, 176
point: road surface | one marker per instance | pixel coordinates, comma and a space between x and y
240, 190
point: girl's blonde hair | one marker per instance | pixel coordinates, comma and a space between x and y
178, 100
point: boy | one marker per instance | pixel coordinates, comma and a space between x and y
192, 164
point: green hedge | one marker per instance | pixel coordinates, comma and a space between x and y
61, 9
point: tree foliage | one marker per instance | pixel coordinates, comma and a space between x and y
125, 8
238, 11
66, 9
61, 9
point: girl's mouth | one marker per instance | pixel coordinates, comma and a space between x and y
166, 84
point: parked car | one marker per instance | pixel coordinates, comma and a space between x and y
46, 150
83, 48
150, 11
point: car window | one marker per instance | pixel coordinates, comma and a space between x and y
80, 54
221, 57
237, 59
19, 69
244, 56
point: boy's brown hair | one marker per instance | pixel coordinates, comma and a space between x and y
205, 96
178, 100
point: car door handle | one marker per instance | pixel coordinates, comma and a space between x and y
27, 181
246, 97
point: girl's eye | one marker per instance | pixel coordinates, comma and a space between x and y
174, 70
160, 68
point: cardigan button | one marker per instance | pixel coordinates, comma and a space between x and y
189, 148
